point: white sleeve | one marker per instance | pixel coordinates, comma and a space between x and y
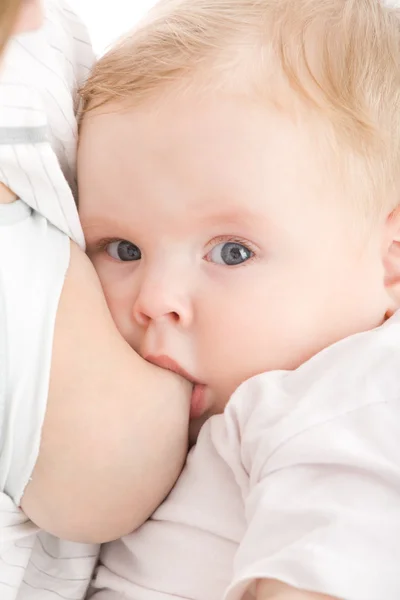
320, 473
34, 258
81, 54
39, 80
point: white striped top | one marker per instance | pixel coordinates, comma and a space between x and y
38, 130
39, 77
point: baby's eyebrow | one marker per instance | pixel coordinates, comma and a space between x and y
95, 227
236, 216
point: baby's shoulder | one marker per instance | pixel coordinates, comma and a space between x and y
346, 396
356, 372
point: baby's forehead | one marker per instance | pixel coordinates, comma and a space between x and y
215, 155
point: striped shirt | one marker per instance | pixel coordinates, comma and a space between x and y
39, 77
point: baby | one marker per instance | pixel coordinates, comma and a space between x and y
239, 193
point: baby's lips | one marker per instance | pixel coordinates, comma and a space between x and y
165, 362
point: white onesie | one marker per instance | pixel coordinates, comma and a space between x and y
39, 77
299, 481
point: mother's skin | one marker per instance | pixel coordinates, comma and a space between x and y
115, 432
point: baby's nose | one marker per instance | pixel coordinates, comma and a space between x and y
164, 299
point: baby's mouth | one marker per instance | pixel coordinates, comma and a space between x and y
198, 399
165, 362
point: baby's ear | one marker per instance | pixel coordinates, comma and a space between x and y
391, 259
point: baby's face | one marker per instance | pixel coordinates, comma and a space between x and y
222, 245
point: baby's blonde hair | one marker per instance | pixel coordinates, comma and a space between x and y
337, 59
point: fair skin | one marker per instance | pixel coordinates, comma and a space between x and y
30, 16
223, 246
115, 430
114, 437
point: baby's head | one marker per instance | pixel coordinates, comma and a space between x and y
239, 183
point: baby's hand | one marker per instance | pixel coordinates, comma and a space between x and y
6, 195
268, 589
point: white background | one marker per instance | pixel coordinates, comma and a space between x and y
108, 19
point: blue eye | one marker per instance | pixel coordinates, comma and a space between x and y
123, 251
229, 254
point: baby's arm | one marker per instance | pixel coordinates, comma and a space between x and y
268, 589
6, 196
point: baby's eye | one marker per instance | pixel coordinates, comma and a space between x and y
123, 251
229, 254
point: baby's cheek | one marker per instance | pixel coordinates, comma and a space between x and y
232, 339
225, 365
